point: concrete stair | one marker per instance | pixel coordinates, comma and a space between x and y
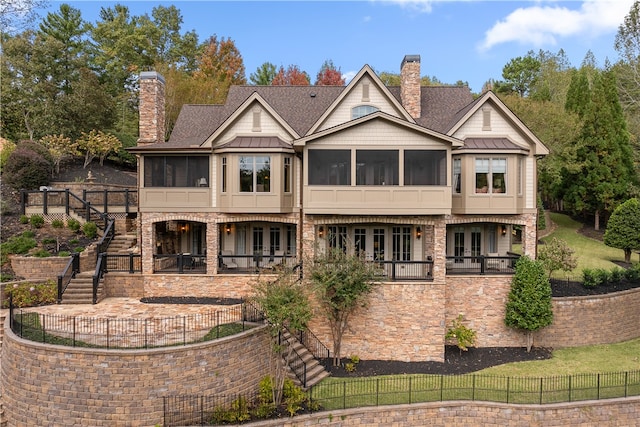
315, 372
80, 290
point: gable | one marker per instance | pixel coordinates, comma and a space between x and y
364, 92
490, 118
253, 119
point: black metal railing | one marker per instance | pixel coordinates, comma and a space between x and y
313, 344
46, 198
129, 263
107, 236
482, 264
128, 333
405, 270
108, 199
97, 276
403, 389
292, 358
180, 263
251, 264
69, 272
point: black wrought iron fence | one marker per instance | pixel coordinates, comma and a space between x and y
131, 333
407, 389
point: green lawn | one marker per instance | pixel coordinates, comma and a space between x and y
590, 253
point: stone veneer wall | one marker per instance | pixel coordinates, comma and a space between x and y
618, 412
403, 321
55, 385
33, 268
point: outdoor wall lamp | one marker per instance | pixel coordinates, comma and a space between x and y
418, 232
321, 232
503, 230
228, 229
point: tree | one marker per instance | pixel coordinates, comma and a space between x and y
68, 28
263, 75
97, 144
623, 228
60, 148
16, 15
555, 255
529, 302
521, 74
222, 66
285, 302
341, 283
604, 156
329, 75
291, 77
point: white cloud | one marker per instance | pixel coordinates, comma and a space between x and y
543, 25
422, 6
348, 76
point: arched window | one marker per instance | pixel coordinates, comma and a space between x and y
362, 110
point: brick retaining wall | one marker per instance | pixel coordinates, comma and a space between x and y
55, 385
613, 412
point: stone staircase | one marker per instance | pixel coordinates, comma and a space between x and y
121, 244
315, 372
80, 290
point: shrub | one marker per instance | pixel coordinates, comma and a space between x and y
41, 253
6, 151
604, 276
294, 397
49, 240
24, 219
90, 229
266, 407
57, 223
616, 275
6, 277
26, 169
465, 337
591, 278
17, 245
29, 233
352, 364
30, 294
74, 241
64, 253
78, 249
73, 224
36, 221
633, 274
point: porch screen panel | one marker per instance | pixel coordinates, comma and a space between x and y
329, 167
425, 167
377, 167
176, 171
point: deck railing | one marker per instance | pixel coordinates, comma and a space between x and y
481, 264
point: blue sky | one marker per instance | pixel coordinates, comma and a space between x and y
457, 40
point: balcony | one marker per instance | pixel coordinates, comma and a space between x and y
482, 264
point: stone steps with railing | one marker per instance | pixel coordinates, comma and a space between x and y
313, 373
80, 290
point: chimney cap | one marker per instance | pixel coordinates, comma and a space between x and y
409, 58
151, 75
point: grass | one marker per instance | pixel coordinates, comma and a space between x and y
590, 253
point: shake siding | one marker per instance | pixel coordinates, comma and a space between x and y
342, 113
244, 126
380, 134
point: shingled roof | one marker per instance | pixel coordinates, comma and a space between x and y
302, 106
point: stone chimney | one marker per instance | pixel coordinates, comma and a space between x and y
410, 85
151, 108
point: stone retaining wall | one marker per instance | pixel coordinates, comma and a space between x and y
613, 412
55, 385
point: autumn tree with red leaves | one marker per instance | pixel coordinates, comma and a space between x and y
329, 75
291, 77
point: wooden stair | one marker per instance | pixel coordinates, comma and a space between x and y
315, 372
80, 290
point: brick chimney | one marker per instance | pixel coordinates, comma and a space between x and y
410, 85
151, 108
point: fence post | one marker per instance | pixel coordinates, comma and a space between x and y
59, 289
483, 263
570, 381
74, 331
66, 201
541, 380
88, 214
44, 201
131, 271
44, 328
23, 201
126, 201
11, 312
598, 386
108, 333
106, 201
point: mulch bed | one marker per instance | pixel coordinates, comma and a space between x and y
455, 363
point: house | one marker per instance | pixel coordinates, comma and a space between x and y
426, 181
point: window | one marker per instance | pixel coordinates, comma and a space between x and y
362, 110
287, 174
224, 174
457, 176
291, 239
377, 167
401, 243
255, 174
329, 167
360, 242
520, 174
425, 167
338, 238
378, 244
274, 240
491, 175
258, 239
176, 171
